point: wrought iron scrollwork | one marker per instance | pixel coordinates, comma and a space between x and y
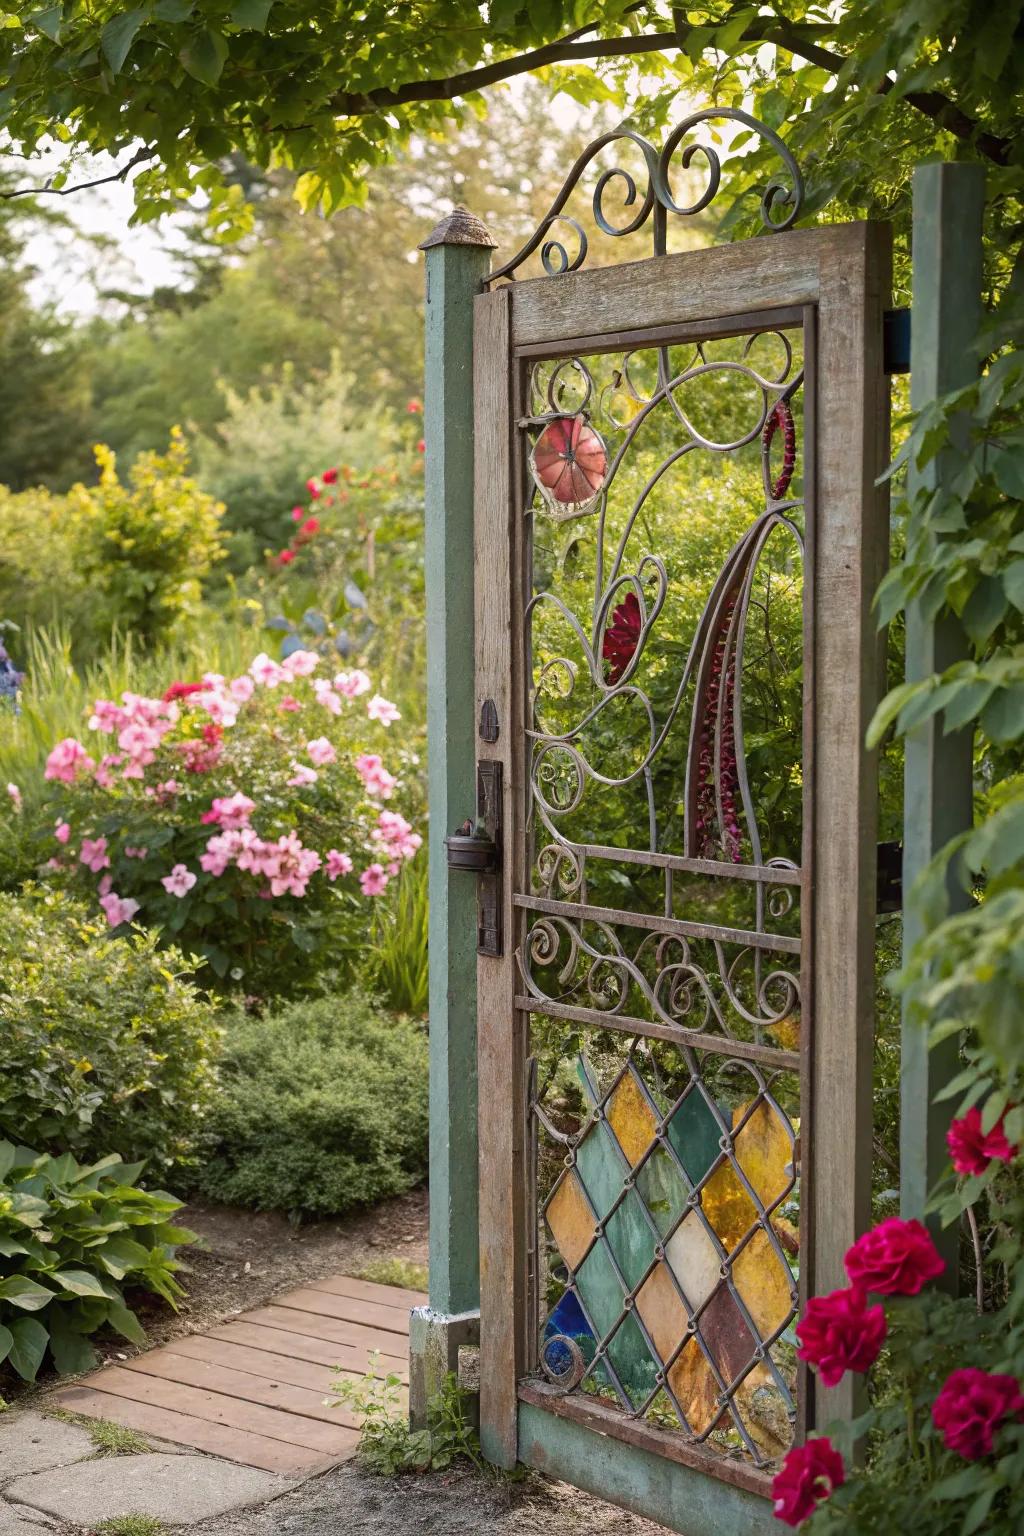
562, 240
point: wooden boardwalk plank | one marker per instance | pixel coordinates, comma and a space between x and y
217, 1439
272, 1423
252, 1388
331, 1330
212, 1376
348, 1309
296, 1346
368, 1290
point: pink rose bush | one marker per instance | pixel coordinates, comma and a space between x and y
972, 1149
809, 1473
243, 815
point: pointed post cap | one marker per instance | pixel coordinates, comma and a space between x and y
460, 227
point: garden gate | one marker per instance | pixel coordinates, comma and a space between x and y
678, 532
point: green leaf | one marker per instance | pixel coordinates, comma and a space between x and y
173, 10
1003, 716
118, 35
204, 57
1008, 471
251, 15
48, 22
6, 1342
1013, 582
80, 1283
985, 608
29, 1347
72, 1353
127, 1324
27, 1294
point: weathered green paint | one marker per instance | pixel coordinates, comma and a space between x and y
681, 1498
457, 260
947, 274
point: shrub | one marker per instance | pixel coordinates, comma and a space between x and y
40, 572
72, 1239
147, 546
245, 818
323, 1108
106, 1045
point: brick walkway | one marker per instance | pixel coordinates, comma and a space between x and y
252, 1389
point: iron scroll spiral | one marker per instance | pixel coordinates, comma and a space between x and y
781, 200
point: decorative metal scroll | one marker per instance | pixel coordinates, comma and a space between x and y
667, 1217
781, 199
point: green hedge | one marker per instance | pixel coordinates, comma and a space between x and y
106, 1045
323, 1107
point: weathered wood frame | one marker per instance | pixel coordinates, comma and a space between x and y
839, 278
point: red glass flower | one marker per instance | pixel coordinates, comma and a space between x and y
622, 637
570, 461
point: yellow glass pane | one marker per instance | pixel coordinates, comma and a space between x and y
762, 1408
661, 1311
631, 1118
570, 1219
695, 1259
727, 1205
695, 1388
763, 1283
764, 1152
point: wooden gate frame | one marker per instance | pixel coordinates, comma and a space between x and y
839, 278
948, 209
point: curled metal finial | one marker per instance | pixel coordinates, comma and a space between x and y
781, 199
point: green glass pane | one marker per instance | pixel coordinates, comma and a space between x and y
663, 1188
599, 1289
632, 1360
631, 1239
695, 1135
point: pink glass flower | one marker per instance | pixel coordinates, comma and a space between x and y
180, 881
570, 461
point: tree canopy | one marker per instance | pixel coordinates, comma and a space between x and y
174, 87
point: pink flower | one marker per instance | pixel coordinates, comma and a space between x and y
971, 1407
808, 1475
290, 704
311, 525
119, 909
242, 689
62, 831
326, 696
180, 881
376, 780
373, 880
221, 706
312, 488
972, 1149
167, 790
896, 1258
67, 760
136, 853
285, 557
298, 513
109, 717
230, 811
106, 885
329, 476
300, 664
139, 742
395, 837
352, 684
414, 406
15, 794
321, 752
840, 1333
382, 709
301, 775
266, 671
105, 769
337, 864
94, 854
288, 865
223, 847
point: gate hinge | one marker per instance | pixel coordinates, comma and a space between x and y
896, 340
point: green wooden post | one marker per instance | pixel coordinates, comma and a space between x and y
457, 261
949, 202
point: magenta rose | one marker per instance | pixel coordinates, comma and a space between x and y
808, 1475
896, 1258
840, 1333
971, 1407
972, 1149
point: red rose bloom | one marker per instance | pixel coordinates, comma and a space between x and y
311, 525
840, 1333
971, 1407
329, 476
972, 1149
807, 1476
622, 637
421, 447
286, 557
181, 691
413, 407
896, 1258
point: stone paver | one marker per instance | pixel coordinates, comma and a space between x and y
31, 1443
175, 1489
11, 1524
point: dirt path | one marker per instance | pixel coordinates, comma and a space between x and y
457, 1503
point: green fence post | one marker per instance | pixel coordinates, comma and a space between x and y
949, 201
458, 256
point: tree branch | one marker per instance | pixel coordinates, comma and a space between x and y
139, 157
801, 40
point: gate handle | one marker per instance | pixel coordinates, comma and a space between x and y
472, 848
476, 847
